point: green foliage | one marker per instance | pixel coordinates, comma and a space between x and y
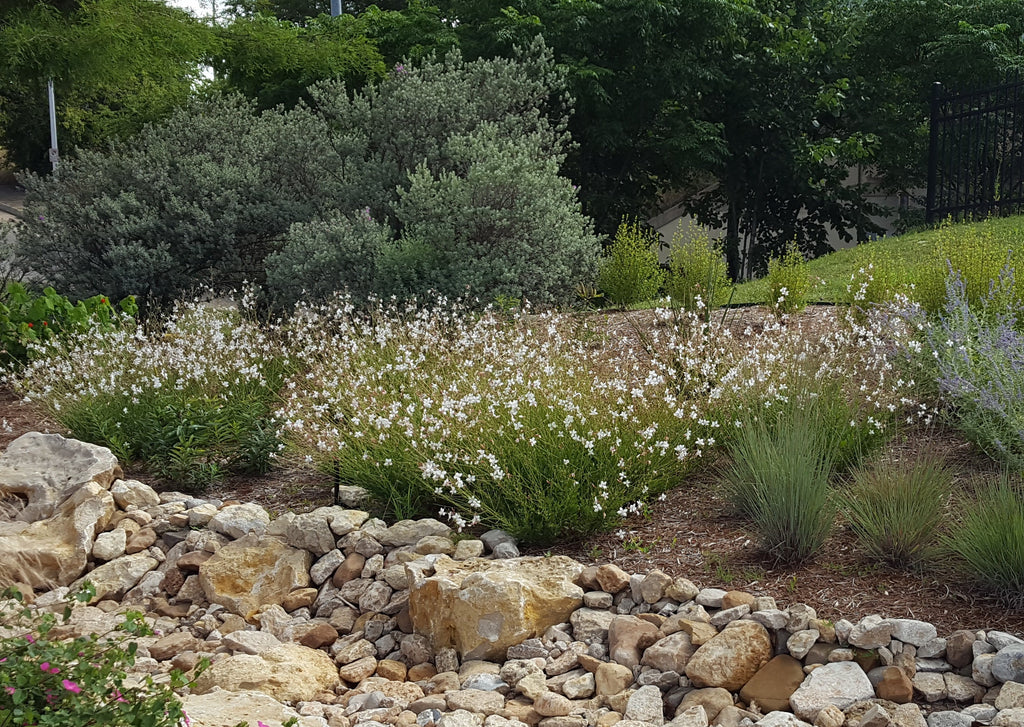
116, 64
977, 254
79, 682
147, 397
319, 258
780, 467
462, 160
26, 318
630, 272
789, 282
876, 283
501, 223
988, 540
896, 508
274, 61
697, 270
199, 200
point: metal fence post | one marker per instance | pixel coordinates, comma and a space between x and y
933, 148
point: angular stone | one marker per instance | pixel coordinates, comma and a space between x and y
894, 685
1011, 696
250, 642
110, 545
409, 532
466, 549
694, 716
590, 626
47, 469
349, 570
728, 615
963, 689
958, 648
911, 631
981, 670
201, 515
220, 708
307, 531
315, 635
801, 642
140, 541
612, 678
253, 571
1008, 663
133, 492
114, 579
713, 700
358, 670
192, 562
611, 578
288, 672
237, 521
682, 590
799, 617
434, 544
475, 700
710, 597
580, 687
628, 637
839, 684
1009, 718
780, 719
299, 598
482, 607
871, 632
55, 550
671, 653
171, 645
931, 686
774, 683
645, 706
732, 657
654, 585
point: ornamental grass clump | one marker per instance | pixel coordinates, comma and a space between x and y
50, 681
779, 479
988, 541
896, 508
192, 399
508, 420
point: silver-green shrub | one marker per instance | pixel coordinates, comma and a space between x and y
198, 200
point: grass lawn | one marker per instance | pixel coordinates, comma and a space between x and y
831, 273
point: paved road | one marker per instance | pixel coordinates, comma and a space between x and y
12, 200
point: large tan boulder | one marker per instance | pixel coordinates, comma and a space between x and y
220, 708
55, 551
732, 657
46, 469
253, 571
289, 672
482, 607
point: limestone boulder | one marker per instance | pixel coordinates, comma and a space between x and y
839, 684
55, 550
220, 708
289, 672
236, 521
628, 637
483, 607
46, 469
114, 579
308, 531
671, 653
732, 657
253, 571
133, 492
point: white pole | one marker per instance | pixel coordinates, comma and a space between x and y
54, 154
335, 8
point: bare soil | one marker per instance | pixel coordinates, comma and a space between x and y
692, 533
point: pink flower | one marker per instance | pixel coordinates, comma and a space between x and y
9, 690
30, 638
71, 686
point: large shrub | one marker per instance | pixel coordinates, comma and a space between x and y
200, 199
462, 160
630, 272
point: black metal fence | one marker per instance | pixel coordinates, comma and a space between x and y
976, 152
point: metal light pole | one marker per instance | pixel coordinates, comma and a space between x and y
54, 154
335, 8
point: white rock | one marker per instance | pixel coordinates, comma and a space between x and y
839, 684
220, 708
871, 632
237, 521
133, 492
110, 545
911, 631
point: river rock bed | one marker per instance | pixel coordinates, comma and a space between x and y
339, 619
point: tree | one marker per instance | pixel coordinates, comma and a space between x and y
116, 65
274, 61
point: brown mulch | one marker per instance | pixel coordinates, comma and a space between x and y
691, 533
